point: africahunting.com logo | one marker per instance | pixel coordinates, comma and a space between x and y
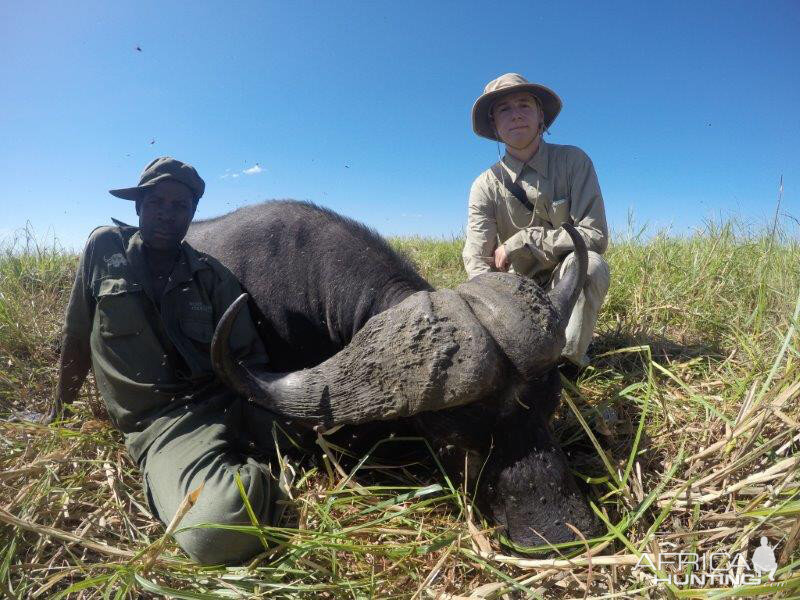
717, 569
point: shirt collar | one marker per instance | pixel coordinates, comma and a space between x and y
192, 258
189, 254
538, 162
187, 265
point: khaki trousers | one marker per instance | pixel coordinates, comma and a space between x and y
584, 315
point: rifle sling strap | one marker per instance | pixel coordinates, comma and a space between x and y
511, 186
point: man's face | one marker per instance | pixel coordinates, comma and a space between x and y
517, 119
164, 214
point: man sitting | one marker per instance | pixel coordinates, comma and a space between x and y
143, 310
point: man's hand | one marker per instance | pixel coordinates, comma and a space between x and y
56, 410
53, 414
501, 262
72, 370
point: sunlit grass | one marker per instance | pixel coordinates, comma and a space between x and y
685, 430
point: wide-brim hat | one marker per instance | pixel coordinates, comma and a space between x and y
508, 84
161, 169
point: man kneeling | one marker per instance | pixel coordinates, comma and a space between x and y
517, 207
143, 310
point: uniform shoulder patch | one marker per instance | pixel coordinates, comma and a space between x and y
115, 260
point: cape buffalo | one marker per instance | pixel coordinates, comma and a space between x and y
355, 334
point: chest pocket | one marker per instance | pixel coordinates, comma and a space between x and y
560, 212
119, 307
196, 321
198, 328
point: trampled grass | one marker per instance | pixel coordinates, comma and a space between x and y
686, 430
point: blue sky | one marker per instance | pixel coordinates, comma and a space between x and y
689, 110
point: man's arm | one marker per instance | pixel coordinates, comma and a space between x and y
479, 247
75, 351
587, 213
72, 370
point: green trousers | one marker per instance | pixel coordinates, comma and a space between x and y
207, 443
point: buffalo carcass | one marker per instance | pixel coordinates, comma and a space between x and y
355, 334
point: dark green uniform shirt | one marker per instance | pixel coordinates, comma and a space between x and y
152, 357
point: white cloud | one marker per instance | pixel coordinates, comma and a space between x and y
253, 170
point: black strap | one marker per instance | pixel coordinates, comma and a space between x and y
511, 186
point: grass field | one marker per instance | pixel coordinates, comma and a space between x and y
686, 429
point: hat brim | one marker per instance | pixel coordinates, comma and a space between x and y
131, 193
137, 192
482, 124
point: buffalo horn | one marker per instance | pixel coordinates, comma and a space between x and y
427, 353
566, 292
232, 373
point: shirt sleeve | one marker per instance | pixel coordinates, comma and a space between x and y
481, 239
80, 309
587, 213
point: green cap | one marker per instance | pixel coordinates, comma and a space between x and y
161, 169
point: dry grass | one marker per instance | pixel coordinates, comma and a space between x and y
686, 430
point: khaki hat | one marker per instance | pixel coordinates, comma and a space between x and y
508, 84
161, 169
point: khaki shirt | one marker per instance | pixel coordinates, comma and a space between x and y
561, 184
150, 358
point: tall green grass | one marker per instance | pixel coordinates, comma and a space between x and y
35, 281
684, 430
